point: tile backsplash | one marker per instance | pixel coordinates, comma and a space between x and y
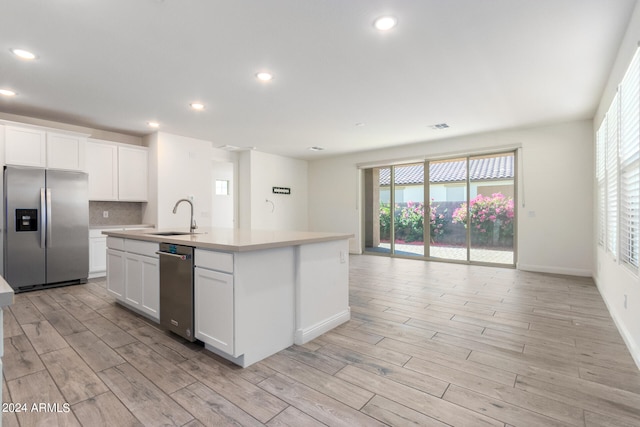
119, 213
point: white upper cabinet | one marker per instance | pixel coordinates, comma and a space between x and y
117, 171
40, 147
132, 173
25, 146
102, 165
65, 151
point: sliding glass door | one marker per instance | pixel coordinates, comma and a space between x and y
492, 209
409, 210
466, 213
447, 192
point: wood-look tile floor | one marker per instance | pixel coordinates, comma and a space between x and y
429, 344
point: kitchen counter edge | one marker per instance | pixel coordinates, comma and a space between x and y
233, 240
6, 293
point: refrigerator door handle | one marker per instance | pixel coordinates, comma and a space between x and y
43, 218
48, 217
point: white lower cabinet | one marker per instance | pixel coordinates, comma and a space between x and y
97, 254
134, 278
142, 289
214, 323
115, 273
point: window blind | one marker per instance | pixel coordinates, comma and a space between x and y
612, 177
629, 204
629, 163
601, 140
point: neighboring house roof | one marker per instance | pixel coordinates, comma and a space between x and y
487, 168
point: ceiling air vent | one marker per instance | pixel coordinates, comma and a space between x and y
439, 126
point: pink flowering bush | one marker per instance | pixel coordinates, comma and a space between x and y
409, 221
488, 214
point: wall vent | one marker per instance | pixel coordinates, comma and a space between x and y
439, 126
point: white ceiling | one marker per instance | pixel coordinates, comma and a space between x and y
478, 65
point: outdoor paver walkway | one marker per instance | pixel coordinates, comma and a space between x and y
456, 253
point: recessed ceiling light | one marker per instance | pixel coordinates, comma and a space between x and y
197, 106
385, 23
263, 76
153, 124
24, 54
7, 92
316, 148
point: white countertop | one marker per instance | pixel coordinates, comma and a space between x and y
6, 293
230, 239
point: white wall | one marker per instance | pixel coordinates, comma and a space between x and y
223, 205
554, 226
615, 281
258, 173
181, 168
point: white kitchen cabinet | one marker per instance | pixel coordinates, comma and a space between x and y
243, 305
214, 309
102, 165
115, 273
40, 147
25, 146
142, 283
97, 254
132, 173
137, 283
98, 250
133, 279
117, 171
66, 151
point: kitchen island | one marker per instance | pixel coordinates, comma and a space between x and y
6, 299
256, 292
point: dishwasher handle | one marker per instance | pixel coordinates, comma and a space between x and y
182, 257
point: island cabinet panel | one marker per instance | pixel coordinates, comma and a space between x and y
133, 279
133, 275
248, 315
264, 291
214, 309
322, 288
150, 303
213, 260
115, 273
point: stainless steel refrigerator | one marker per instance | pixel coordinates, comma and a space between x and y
46, 228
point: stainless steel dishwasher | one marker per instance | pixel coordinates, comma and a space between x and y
176, 289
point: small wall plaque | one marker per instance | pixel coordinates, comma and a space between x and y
281, 190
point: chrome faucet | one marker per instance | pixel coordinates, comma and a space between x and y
192, 224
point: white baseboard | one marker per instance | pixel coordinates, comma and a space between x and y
555, 270
97, 274
305, 335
